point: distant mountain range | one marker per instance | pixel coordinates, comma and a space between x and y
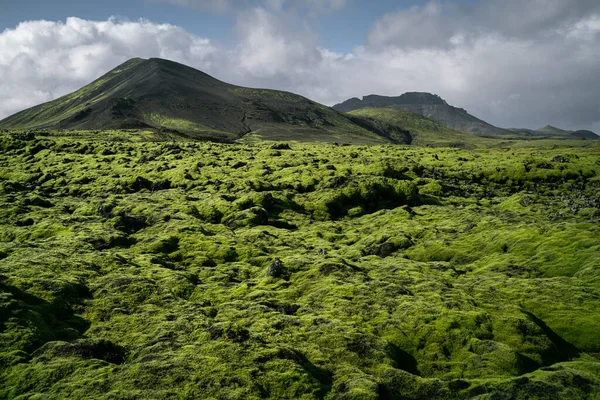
170, 97
433, 107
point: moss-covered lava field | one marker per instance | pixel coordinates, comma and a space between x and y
133, 268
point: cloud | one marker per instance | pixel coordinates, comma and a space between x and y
416, 27
273, 46
310, 6
303, 6
512, 62
42, 60
508, 76
219, 6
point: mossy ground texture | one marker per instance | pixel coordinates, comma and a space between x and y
137, 269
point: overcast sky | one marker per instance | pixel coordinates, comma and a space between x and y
513, 63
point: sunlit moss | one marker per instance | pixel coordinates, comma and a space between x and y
135, 268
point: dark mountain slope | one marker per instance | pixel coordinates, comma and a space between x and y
583, 134
428, 105
423, 131
162, 94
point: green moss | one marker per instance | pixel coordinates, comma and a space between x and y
409, 272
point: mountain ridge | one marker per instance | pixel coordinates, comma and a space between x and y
165, 95
428, 105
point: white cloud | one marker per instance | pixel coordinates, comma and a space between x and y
41, 60
212, 5
269, 47
416, 27
548, 77
310, 6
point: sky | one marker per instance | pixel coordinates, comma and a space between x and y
513, 63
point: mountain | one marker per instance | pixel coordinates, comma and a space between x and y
165, 95
553, 130
423, 131
583, 134
428, 105
561, 133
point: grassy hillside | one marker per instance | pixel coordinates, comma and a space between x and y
553, 130
423, 130
156, 270
430, 106
167, 96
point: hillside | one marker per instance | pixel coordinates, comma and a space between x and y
583, 134
423, 130
136, 269
428, 105
553, 130
164, 95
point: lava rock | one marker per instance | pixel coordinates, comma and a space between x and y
24, 222
526, 201
281, 146
276, 269
383, 250
239, 164
559, 159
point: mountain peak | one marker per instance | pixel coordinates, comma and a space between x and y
164, 95
428, 105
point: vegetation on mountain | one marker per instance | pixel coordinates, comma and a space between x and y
553, 130
173, 98
423, 131
584, 134
437, 110
142, 265
428, 105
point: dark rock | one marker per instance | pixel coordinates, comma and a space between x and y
24, 222
141, 183
383, 250
335, 182
38, 202
239, 164
129, 224
232, 333
559, 159
281, 146
24, 136
526, 201
104, 243
282, 307
84, 348
458, 384
276, 269
545, 165
36, 149
161, 185
105, 210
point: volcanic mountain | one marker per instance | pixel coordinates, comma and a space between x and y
556, 133
428, 105
167, 96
